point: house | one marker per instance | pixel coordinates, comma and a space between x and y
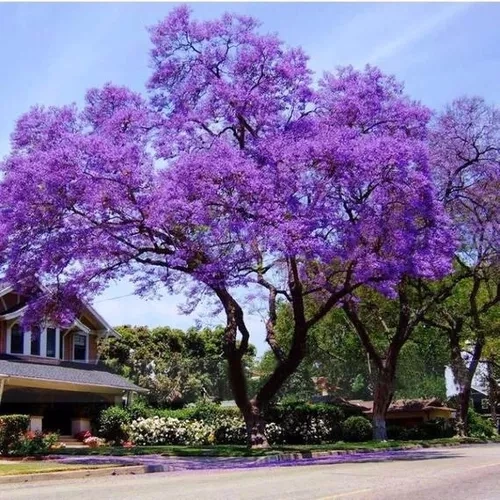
410, 412
52, 373
480, 400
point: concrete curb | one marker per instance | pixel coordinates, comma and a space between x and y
77, 474
322, 454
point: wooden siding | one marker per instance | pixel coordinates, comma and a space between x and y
3, 337
68, 347
92, 348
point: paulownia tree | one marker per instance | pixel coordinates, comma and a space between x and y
235, 173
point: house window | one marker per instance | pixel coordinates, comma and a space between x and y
17, 340
80, 347
35, 341
51, 342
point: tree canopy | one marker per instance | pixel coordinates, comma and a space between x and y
232, 171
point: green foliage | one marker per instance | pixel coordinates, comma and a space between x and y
479, 426
34, 443
304, 423
112, 424
12, 430
356, 429
177, 367
432, 429
335, 352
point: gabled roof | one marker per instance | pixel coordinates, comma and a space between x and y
64, 371
18, 309
401, 405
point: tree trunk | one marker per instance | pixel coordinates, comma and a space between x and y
252, 413
492, 389
256, 427
463, 409
382, 397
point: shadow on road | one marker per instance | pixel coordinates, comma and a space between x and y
224, 463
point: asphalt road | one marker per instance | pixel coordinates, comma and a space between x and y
448, 473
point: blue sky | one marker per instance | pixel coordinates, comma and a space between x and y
51, 53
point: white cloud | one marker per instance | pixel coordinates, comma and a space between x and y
416, 32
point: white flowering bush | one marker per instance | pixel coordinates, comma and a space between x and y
199, 433
274, 433
158, 430
230, 430
313, 431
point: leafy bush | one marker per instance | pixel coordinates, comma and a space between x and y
230, 430
479, 426
94, 442
12, 430
432, 429
82, 435
357, 429
304, 423
112, 424
274, 433
34, 443
139, 409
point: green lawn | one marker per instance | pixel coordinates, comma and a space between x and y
243, 451
10, 469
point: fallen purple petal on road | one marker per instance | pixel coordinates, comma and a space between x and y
224, 463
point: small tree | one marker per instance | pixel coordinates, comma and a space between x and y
263, 183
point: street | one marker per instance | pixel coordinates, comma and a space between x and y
455, 473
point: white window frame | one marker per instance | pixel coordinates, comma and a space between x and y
27, 342
87, 340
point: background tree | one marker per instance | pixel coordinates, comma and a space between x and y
235, 174
465, 147
335, 352
177, 367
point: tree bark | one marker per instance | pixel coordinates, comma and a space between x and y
463, 410
492, 390
382, 398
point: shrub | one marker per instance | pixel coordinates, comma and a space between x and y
357, 429
83, 435
34, 443
94, 442
274, 433
479, 426
158, 431
230, 430
199, 433
113, 423
139, 409
305, 423
396, 432
12, 430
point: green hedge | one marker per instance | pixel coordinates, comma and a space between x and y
432, 429
12, 430
112, 422
356, 429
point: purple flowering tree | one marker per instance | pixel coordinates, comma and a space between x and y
465, 159
235, 174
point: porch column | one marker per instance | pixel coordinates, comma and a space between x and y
36, 423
